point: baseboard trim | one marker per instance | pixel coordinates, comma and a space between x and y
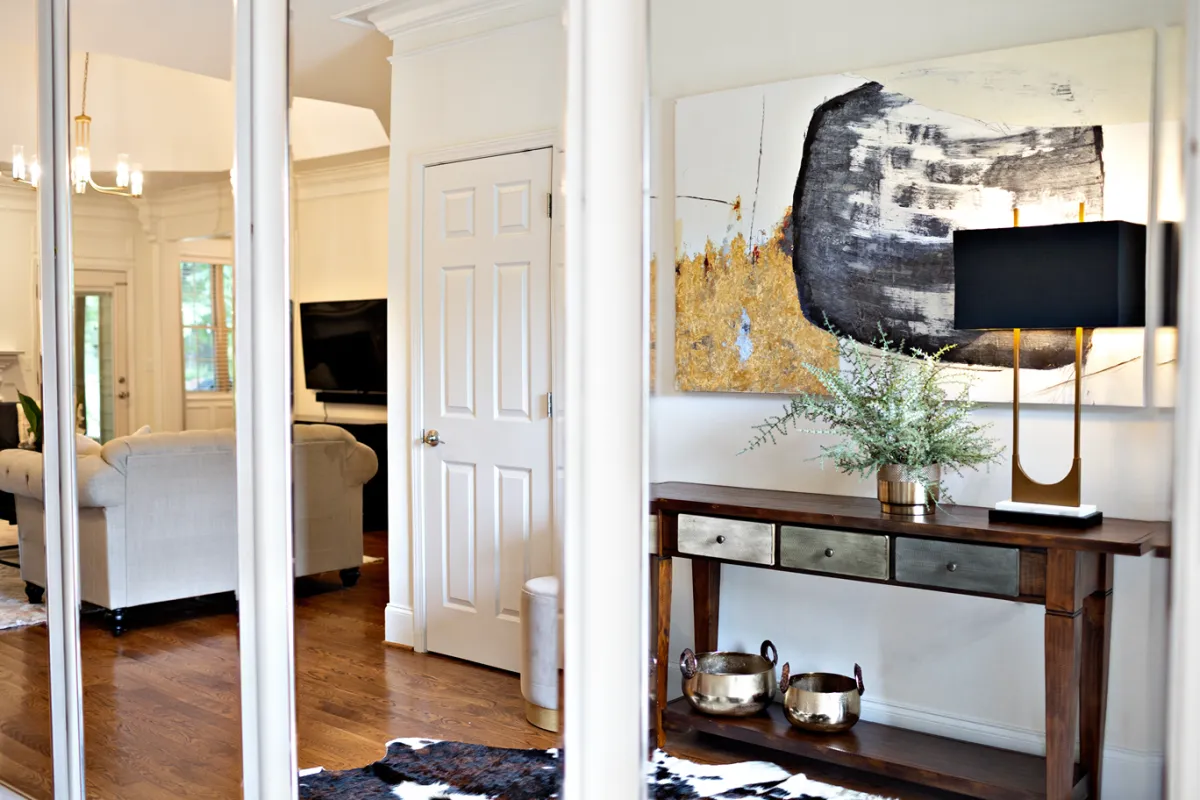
398, 625
1127, 773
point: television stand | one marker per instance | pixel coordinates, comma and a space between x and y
353, 398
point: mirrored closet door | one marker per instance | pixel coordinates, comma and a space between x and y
27, 741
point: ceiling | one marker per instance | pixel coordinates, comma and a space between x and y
332, 60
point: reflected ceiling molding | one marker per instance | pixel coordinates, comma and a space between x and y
419, 25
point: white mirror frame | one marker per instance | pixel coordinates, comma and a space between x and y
605, 576
58, 405
1183, 741
262, 397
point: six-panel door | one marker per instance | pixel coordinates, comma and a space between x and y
486, 352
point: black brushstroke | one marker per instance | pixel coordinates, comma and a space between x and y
858, 281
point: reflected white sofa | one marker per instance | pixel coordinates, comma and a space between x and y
158, 514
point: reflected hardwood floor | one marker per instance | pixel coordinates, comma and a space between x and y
161, 703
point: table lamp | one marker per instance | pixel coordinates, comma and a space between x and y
1072, 276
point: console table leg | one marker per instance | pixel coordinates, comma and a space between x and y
1093, 686
662, 601
706, 602
1065, 592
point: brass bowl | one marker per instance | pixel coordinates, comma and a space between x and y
729, 684
822, 701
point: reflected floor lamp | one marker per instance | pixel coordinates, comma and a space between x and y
1073, 276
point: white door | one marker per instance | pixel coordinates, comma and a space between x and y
487, 351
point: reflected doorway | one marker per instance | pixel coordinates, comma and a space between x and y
101, 354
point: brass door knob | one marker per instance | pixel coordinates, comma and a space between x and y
432, 438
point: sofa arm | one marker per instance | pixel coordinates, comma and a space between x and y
361, 464
21, 473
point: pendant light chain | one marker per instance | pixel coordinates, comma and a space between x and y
87, 62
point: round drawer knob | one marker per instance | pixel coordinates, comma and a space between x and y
951, 567
829, 552
720, 540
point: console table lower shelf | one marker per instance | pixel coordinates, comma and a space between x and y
975, 770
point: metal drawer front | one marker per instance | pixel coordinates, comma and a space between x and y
863, 555
730, 539
967, 567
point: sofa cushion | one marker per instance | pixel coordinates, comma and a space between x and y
85, 446
100, 486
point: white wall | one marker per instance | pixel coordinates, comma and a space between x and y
106, 233
339, 248
965, 667
500, 84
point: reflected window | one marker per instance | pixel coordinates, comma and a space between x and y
207, 313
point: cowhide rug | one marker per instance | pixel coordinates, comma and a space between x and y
426, 769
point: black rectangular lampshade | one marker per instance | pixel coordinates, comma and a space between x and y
1077, 275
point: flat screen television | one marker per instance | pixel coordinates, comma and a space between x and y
345, 346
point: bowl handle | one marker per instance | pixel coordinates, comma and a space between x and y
768, 645
785, 677
687, 664
858, 679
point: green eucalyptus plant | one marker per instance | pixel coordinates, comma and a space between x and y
893, 406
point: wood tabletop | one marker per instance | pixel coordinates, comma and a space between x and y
965, 523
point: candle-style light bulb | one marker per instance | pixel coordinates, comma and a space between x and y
18, 162
123, 171
136, 180
81, 167
35, 172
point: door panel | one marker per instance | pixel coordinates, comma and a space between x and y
487, 351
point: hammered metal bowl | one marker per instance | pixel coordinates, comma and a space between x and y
729, 684
822, 701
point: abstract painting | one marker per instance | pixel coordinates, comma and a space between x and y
833, 201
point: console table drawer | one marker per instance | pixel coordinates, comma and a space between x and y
951, 565
729, 539
863, 555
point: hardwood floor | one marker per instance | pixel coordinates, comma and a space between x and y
161, 703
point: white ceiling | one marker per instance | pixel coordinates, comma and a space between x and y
332, 60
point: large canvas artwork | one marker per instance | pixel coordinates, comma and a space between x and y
835, 199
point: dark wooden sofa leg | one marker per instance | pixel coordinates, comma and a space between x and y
350, 576
116, 621
34, 592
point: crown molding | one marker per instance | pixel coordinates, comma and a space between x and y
415, 25
365, 176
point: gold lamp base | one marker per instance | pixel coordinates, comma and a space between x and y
1066, 492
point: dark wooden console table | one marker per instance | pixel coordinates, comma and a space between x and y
1067, 571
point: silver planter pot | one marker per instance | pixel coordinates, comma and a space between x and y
905, 498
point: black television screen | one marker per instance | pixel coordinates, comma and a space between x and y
345, 345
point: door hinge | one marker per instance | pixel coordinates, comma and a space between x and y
550, 404
550, 205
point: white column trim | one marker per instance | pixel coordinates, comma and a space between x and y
605, 571
262, 395
58, 403
1183, 768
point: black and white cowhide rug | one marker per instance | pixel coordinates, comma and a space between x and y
426, 769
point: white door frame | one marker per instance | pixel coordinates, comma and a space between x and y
116, 283
1183, 740
418, 163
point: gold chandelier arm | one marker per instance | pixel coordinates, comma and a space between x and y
113, 190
